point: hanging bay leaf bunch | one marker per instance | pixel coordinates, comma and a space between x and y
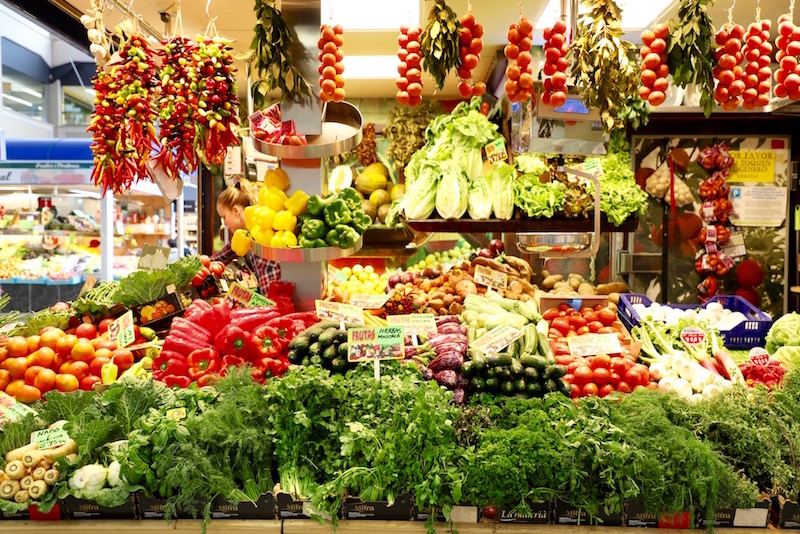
690, 50
440, 42
270, 50
605, 67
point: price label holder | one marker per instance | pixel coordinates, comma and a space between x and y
239, 296
88, 285
336, 311
693, 336
50, 437
415, 324
496, 151
759, 356
497, 339
336, 274
375, 344
369, 302
490, 278
176, 414
592, 344
121, 330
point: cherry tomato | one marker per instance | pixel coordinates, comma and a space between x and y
205, 261
605, 391
590, 389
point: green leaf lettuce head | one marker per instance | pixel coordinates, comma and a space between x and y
480, 199
540, 200
452, 194
785, 331
501, 181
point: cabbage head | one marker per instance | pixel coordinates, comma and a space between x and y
480, 199
784, 331
452, 196
501, 181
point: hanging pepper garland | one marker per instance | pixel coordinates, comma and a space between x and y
123, 134
178, 105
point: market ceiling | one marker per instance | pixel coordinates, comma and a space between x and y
235, 20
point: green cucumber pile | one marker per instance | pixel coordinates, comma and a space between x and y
323, 345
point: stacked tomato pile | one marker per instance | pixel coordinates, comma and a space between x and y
602, 375
33, 365
566, 322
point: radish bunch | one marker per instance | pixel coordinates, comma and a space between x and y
409, 84
555, 65
654, 65
331, 81
787, 77
757, 74
519, 72
728, 72
470, 49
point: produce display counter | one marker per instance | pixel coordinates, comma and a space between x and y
519, 225
313, 527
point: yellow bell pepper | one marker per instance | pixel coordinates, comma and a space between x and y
284, 239
272, 198
297, 202
251, 217
264, 216
284, 220
240, 243
276, 178
262, 236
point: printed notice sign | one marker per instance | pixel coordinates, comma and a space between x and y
382, 343
369, 302
591, 344
121, 330
758, 206
752, 166
336, 311
50, 437
421, 324
241, 297
497, 339
490, 278
496, 151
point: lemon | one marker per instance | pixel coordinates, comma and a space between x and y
369, 269
346, 271
358, 268
373, 276
397, 191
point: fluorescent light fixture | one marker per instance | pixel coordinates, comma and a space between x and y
370, 67
369, 14
24, 89
18, 100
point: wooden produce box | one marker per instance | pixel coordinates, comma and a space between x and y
459, 514
756, 517
153, 508
637, 517
263, 508
541, 514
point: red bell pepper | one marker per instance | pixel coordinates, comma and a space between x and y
202, 362
280, 288
176, 381
169, 363
201, 313
180, 343
232, 340
308, 318
222, 314
231, 361
250, 320
275, 366
258, 374
190, 329
206, 380
264, 343
285, 327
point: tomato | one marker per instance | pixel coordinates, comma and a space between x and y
205, 261
78, 369
550, 314
606, 316
16, 367
561, 348
103, 326
597, 307
629, 362
618, 365
17, 346
644, 372
31, 373
564, 307
564, 359
45, 380
583, 331
623, 387
594, 326
589, 315
43, 357
107, 344
606, 330
601, 360
97, 364
33, 343
572, 366
572, 333
614, 379
88, 382
65, 344
27, 394
606, 390
553, 333
601, 376
123, 358
67, 382
49, 338
576, 391
577, 321
86, 331
633, 378
582, 375
217, 268
3, 354
637, 388
568, 378
561, 324
589, 389
13, 387
82, 351
5, 379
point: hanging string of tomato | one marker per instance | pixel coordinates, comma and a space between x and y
519, 72
655, 68
331, 68
123, 135
757, 74
469, 50
555, 66
409, 82
787, 77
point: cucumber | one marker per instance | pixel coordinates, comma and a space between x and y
535, 361
504, 373
551, 386
340, 336
520, 384
477, 384
315, 349
555, 372
342, 350
315, 360
499, 359
507, 388
531, 374
516, 368
478, 361
467, 369
300, 343
491, 372
327, 337
534, 389
566, 389
305, 362
294, 356
329, 353
339, 365
545, 349
492, 384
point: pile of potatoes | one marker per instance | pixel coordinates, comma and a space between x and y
576, 285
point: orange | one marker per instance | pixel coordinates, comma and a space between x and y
65, 344
33, 343
17, 346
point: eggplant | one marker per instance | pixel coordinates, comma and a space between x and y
461, 382
452, 328
444, 319
459, 397
439, 339
428, 374
447, 378
451, 360
447, 347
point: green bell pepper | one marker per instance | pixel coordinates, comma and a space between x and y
361, 221
336, 213
342, 236
316, 203
314, 229
305, 242
303, 217
351, 198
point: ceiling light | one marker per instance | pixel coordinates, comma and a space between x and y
370, 67
362, 14
18, 100
24, 89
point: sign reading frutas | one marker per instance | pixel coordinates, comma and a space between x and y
382, 343
336, 311
121, 330
241, 297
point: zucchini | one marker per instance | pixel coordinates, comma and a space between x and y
327, 337
516, 368
513, 349
478, 361
520, 384
477, 384
339, 365
534, 389
294, 356
315, 349
566, 388
342, 350
555, 372
530, 339
467, 369
491, 372
340, 336
551, 386
545, 349
492, 384
499, 359
535, 361
300, 343
329, 353
507, 388
531, 374
504, 373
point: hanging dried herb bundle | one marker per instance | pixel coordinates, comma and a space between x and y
440, 42
270, 51
605, 67
690, 50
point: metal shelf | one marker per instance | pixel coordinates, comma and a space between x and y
518, 225
305, 255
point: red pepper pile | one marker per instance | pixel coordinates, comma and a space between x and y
217, 112
123, 134
178, 106
209, 339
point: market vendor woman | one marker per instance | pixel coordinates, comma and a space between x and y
230, 206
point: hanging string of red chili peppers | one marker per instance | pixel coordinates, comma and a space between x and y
123, 134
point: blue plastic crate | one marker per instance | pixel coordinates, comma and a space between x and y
748, 334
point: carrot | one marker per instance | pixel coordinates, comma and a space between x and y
732, 371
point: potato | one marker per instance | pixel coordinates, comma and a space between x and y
455, 308
613, 287
551, 281
586, 289
436, 304
448, 300
613, 297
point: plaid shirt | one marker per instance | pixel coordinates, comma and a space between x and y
264, 270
